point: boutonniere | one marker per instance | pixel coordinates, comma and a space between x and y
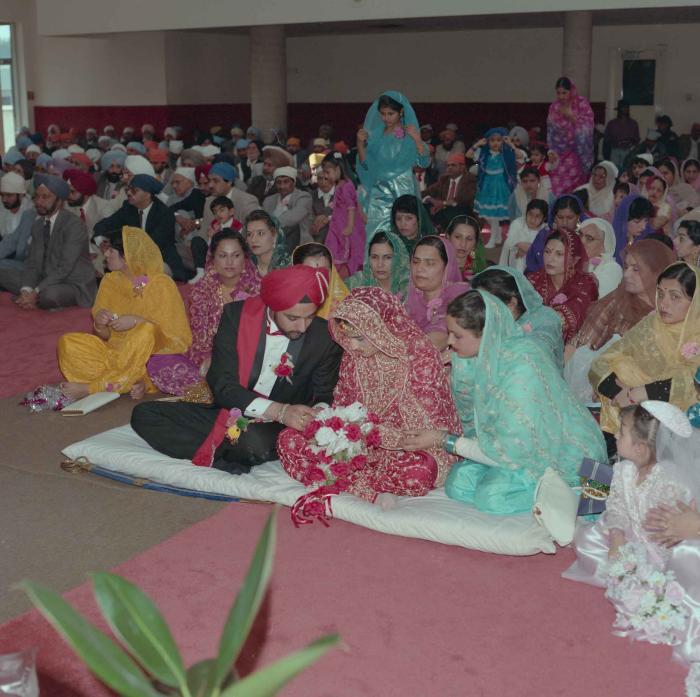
690, 350
235, 425
285, 368
139, 283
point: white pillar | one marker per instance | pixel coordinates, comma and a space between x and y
268, 78
578, 43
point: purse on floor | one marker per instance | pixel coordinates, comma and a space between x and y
555, 507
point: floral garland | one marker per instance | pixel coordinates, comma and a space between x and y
341, 438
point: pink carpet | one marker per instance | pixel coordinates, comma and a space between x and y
28, 344
417, 618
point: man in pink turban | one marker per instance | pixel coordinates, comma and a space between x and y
272, 360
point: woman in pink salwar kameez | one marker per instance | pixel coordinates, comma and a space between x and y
392, 368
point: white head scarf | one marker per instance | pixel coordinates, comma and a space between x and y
602, 202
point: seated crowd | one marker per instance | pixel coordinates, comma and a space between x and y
342, 275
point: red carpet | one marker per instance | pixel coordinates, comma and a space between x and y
418, 619
28, 344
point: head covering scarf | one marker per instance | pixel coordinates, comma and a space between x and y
430, 315
280, 256
601, 202
535, 254
425, 225
696, 183
399, 268
650, 351
682, 194
405, 382
387, 156
572, 142
578, 289
542, 323
620, 222
284, 288
337, 290
620, 310
512, 398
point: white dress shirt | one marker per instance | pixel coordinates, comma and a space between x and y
275, 346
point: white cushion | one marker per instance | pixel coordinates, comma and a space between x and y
433, 517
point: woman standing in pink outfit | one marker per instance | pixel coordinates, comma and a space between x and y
346, 232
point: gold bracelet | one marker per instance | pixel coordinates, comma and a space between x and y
283, 411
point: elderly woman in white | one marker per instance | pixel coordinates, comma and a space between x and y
598, 238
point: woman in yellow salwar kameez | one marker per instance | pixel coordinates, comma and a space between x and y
138, 312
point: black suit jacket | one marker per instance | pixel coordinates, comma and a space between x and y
315, 355
193, 203
160, 226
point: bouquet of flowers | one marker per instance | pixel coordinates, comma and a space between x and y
340, 438
648, 601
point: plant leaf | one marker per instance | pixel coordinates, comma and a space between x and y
248, 600
268, 681
104, 658
200, 678
138, 624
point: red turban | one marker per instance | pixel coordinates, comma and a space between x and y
284, 288
202, 170
157, 155
456, 158
81, 181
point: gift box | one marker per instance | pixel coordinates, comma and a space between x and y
596, 478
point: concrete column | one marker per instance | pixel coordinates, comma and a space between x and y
578, 45
268, 78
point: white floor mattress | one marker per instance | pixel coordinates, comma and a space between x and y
433, 517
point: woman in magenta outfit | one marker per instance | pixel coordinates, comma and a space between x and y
230, 275
346, 233
570, 136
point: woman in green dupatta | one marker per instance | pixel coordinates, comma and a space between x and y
518, 415
410, 221
386, 266
525, 304
266, 241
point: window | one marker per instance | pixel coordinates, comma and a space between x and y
8, 99
638, 77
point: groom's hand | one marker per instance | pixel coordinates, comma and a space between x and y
299, 416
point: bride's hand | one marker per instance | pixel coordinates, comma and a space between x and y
423, 439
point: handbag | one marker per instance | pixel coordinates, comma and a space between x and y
596, 478
555, 506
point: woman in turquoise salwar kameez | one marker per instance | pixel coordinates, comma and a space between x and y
518, 414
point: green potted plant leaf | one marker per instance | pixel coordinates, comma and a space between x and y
147, 663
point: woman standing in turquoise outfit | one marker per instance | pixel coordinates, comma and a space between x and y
517, 413
388, 147
386, 266
542, 323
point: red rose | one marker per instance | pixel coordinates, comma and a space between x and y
335, 422
358, 462
352, 431
372, 418
342, 484
310, 430
314, 474
374, 438
283, 370
340, 469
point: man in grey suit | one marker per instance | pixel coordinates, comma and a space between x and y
292, 207
58, 271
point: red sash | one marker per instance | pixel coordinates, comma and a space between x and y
250, 325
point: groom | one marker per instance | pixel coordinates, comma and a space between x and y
245, 373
